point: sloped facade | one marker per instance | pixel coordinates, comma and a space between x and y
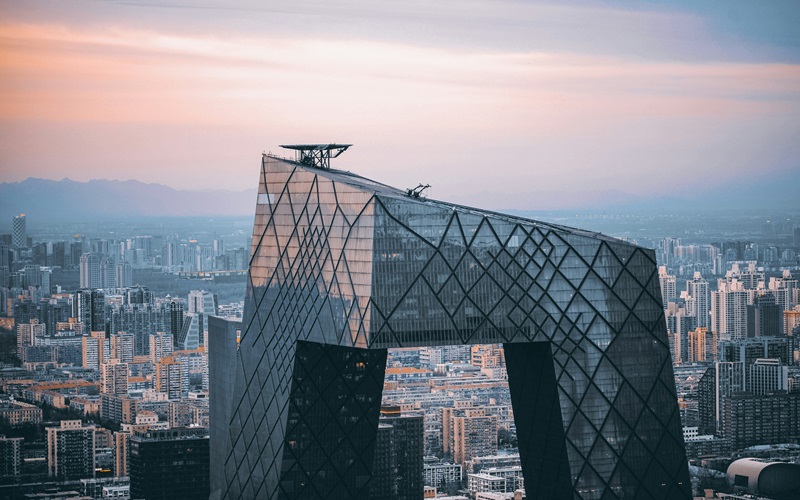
344, 268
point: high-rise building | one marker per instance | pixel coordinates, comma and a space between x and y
174, 321
669, 285
766, 376
764, 317
702, 345
344, 268
114, 377
785, 289
27, 334
96, 350
721, 380
748, 350
168, 377
474, 435
161, 346
697, 288
778, 417
90, 271
90, 308
19, 232
122, 447
123, 274
10, 456
383, 484
729, 310
169, 464
405, 432
70, 450
202, 305
122, 347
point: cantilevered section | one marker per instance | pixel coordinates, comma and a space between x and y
317, 155
343, 268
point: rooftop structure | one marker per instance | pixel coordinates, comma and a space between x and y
316, 155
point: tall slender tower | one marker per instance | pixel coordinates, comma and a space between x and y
19, 233
697, 288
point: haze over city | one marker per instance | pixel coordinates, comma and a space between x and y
571, 100
468, 250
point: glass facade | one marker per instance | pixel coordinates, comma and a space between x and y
343, 268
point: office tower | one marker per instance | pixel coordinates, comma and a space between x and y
697, 288
114, 377
70, 450
766, 376
202, 305
174, 321
191, 335
96, 349
160, 346
19, 233
344, 267
669, 285
169, 464
10, 457
27, 334
729, 310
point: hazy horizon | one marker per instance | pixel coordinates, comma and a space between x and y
489, 101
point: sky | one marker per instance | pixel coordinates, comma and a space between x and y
500, 104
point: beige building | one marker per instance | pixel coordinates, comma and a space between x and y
70, 450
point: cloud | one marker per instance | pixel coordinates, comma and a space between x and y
195, 110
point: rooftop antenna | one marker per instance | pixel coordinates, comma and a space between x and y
316, 155
417, 191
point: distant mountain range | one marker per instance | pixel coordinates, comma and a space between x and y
71, 201
67, 200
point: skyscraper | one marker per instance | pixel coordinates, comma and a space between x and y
344, 268
90, 275
669, 285
406, 435
729, 310
114, 377
697, 288
19, 233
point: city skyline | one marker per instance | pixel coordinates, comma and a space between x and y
585, 97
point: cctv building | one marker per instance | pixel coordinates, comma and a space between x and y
343, 268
